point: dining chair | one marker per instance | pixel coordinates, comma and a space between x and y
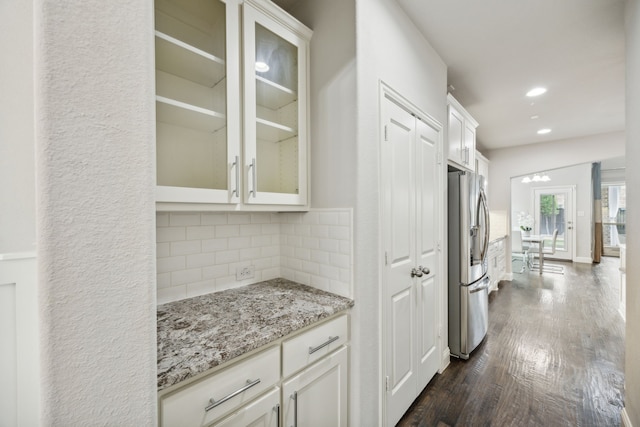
518, 250
548, 251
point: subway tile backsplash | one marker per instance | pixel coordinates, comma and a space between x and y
199, 253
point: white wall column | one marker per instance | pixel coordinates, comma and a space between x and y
95, 214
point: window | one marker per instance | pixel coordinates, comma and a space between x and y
614, 208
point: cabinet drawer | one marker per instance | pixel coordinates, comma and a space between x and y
310, 346
191, 405
264, 411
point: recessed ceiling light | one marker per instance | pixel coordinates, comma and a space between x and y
544, 131
535, 116
261, 67
536, 91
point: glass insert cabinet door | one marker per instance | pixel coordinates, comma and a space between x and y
197, 123
275, 108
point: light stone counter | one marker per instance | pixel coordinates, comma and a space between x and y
197, 334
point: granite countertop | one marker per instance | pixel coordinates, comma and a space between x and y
199, 333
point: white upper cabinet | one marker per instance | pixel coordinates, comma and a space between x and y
217, 149
275, 107
462, 136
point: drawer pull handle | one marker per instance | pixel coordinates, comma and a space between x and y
213, 403
277, 411
294, 397
324, 344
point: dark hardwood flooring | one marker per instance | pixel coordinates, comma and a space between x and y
553, 356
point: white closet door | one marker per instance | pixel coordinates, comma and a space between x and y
427, 228
399, 210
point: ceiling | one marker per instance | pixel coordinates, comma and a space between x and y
496, 50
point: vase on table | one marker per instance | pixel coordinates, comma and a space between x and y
526, 233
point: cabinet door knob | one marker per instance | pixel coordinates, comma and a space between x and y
416, 272
425, 270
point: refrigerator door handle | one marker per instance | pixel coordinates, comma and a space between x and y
485, 211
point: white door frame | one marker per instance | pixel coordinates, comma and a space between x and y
571, 189
385, 91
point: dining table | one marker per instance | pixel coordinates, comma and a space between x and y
539, 239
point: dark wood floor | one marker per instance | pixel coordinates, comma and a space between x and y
553, 356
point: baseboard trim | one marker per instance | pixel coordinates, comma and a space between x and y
445, 359
508, 277
583, 259
626, 422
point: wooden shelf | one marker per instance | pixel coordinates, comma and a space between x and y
273, 95
274, 132
188, 116
181, 59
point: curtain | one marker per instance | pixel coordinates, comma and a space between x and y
596, 184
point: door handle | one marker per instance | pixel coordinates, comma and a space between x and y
425, 270
415, 272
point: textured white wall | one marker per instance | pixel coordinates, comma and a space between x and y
94, 122
632, 367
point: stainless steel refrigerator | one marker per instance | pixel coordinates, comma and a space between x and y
468, 279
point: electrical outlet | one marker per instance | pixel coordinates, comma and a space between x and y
245, 272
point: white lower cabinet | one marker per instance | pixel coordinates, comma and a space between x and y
264, 412
317, 396
497, 263
310, 390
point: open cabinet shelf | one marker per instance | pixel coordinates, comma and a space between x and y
188, 116
272, 95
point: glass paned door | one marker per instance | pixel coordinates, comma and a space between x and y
275, 112
614, 213
554, 211
192, 121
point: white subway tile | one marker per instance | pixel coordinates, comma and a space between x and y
287, 251
239, 242
213, 218
215, 271
303, 253
270, 251
181, 219
310, 218
345, 275
163, 280
341, 289
201, 232
185, 247
287, 229
225, 257
321, 231
287, 273
227, 282
239, 218
167, 265
339, 232
329, 245
201, 288
249, 253
162, 219
276, 217
214, 245
183, 277
310, 267
170, 234
303, 230
329, 218
171, 294
271, 273
262, 263
291, 218
251, 230
294, 241
339, 260
345, 247
261, 218
329, 272
293, 263
201, 260
227, 231
259, 241
321, 257
321, 283
311, 242
345, 218
270, 228
163, 250
301, 277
